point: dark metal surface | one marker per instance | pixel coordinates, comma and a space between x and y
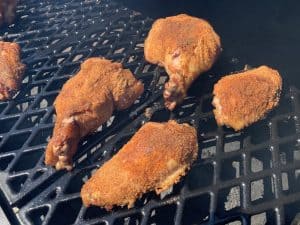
3, 218
250, 177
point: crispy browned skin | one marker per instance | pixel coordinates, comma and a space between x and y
85, 102
186, 47
11, 69
154, 159
7, 11
244, 98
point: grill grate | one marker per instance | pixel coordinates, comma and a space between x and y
250, 177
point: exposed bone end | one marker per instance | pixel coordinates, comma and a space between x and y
62, 154
174, 93
60, 150
63, 145
60, 165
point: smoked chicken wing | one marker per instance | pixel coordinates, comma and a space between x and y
186, 47
7, 11
11, 69
154, 159
243, 98
85, 102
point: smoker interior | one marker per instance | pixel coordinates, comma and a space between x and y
248, 177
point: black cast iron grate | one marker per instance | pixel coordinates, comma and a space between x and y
250, 177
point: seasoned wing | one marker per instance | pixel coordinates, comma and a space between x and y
85, 102
186, 47
243, 98
11, 69
7, 11
154, 159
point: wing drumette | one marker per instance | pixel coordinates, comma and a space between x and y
186, 47
85, 102
154, 159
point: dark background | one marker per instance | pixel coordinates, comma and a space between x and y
252, 32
